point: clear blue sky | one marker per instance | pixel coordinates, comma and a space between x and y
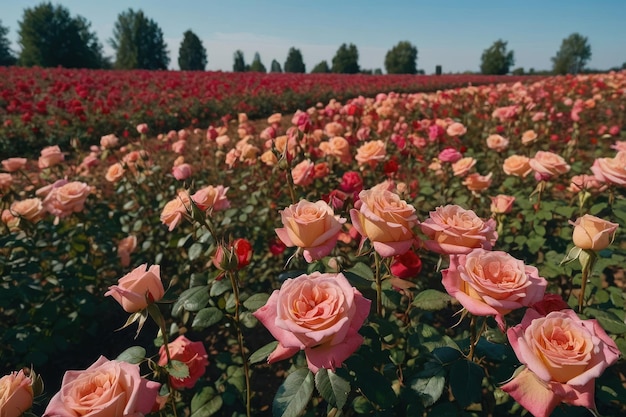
450, 33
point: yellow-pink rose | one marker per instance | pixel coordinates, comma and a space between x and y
50, 156
528, 137
30, 209
174, 210
517, 165
303, 173
497, 143
16, 394
547, 165
135, 290
476, 182
593, 233
502, 204
211, 197
456, 129
371, 152
462, 167
13, 164
66, 198
338, 147
611, 170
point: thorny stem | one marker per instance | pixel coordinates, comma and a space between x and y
475, 336
156, 315
246, 369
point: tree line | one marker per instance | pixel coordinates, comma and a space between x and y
50, 36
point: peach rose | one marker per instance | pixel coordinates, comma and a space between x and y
269, 158
497, 143
337, 147
125, 247
593, 233
318, 313
517, 165
192, 354
334, 129
66, 199
371, 152
274, 119
563, 355
547, 165
13, 164
222, 140
109, 141
105, 389
461, 167
477, 182
502, 204
528, 137
174, 210
312, 227
386, 220
453, 230
115, 172
211, 197
302, 173
456, 129
585, 182
135, 290
492, 283
30, 209
50, 156
5, 180
611, 170
16, 394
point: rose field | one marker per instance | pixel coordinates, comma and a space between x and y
176, 244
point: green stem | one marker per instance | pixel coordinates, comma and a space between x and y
246, 369
586, 273
475, 335
379, 286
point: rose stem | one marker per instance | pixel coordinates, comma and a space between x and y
246, 370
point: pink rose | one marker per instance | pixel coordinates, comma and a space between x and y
115, 172
453, 230
456, 129
547, 165
13, 164
462, 167
181, 172
5, 181
109, 141
593, 233
502, 204
192, 354
449, 155
337, 147
497, 143
351, 182
318, 313
211, 197
562, 355
135, 290
142, 128
16, 394
274, 119
492, 283
585, 182
371, 152
302, 173
611, 170
67, 198
528, 137
50, 156
517, 165
386, 220
476, 182
174, 210
105, 389
30, 209
179, 146
125, 247
312, 227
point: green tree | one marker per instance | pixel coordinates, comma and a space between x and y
495, 60
138, 42
275, 67
239, 64
321, 67
294, 62
49, 36
257, 65
6, 55
401, 59
346, 60
574, 53
191, 54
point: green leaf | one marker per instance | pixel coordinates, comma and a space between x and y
362, 270
609, 321
332, 387
177, 369
134, 355
466, 382
205, 403
429, 384
207, 317
375, 387
192, 299
262, 353
294, 394
194, 251
219, 287
256, 301
431, 300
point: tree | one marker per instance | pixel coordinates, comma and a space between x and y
275, 67
50, 37
6, 55
294, 62
239, 64
346, 60
257, 65
138, 42
401, 59
191, 55
574, 53
322, 67
495, 60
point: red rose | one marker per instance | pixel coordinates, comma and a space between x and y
407, 265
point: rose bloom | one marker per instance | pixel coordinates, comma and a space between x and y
192, 354
517, 165
67, 198
10, 220
585, 182
105, 389
334, 129
109, 141
142, 128
593, 233
312, 227
50, 156
321, 170
233, 256
386, 220
351, 182
13, 164
371, 152
181, 172
179, 146
497, 143
269, 158
337, 147
502, 204
405, 266
222, 140
449, 155
211, 197
5, 180
302, 173
16, 394
456, 129
138, 288
174, 210
318, 313
547, 165
115, 172
619, 145
611, 170
453, 230
461, 167
492, 283
528, 137
125, 247
563, 355
30, 209
274, 118
477, 182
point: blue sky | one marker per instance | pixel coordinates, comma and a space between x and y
449, 33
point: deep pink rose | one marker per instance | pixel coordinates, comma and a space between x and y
192, 354
318, 313
351, 182
450, 155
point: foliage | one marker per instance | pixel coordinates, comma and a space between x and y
321, 68
239, 63
495, 60
7, 57
191, 54
346, 60
572, 56
257, 65
138, 42
275, 67
49, 37
401, 59
294, 61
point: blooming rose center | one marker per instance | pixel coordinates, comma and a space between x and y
316, 307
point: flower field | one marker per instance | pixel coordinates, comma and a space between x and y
455, 252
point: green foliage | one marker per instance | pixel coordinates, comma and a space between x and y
49, 36
138, 42
275, 66
257, 65
7, 57
321, 68
401, 59
346, 60
294, 61
294, 394
239, 64
496, 60
572, 56
192, 54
